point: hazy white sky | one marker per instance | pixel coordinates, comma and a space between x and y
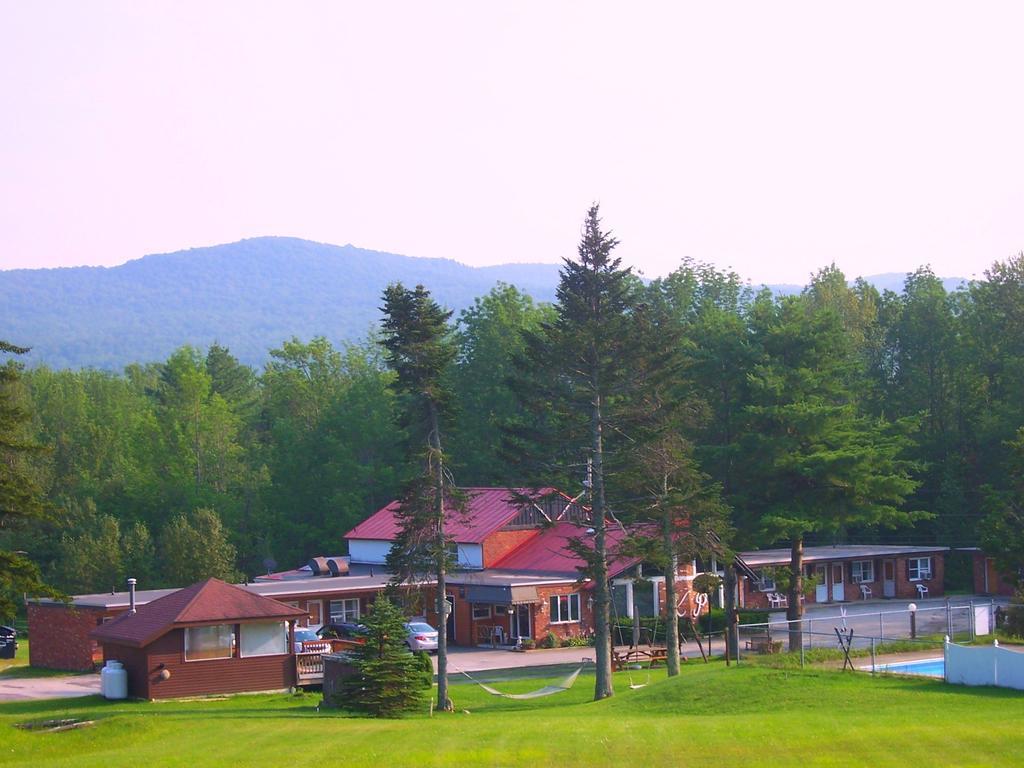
770, 137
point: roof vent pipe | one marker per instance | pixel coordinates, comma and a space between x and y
131, 595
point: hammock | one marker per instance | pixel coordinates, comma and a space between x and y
562, 685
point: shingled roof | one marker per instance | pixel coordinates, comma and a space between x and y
207, 602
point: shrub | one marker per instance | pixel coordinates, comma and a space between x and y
528, 643
550, 641
426, 667
579, 641
1015, 615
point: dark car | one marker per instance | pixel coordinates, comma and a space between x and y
346, 630
8, 642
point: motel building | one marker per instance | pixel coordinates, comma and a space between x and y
847, 573
516, 581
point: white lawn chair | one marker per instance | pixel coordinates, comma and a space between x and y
773, 599
783, 600
922, 591
865, 592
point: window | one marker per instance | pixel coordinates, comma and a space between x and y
862, 571
767, 581
216, 642
345, 611
565, 608
481, 611
264, 638
919, 568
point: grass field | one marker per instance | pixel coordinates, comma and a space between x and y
709, 715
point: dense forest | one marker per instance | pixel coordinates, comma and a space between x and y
202, 465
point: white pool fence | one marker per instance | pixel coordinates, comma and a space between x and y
984, 665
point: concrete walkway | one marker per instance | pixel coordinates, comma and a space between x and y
61, 687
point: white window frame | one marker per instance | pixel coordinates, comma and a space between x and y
570, 601
348, 611
481, 611
280, 627
231, 647
766, 582
857, 574
923, 574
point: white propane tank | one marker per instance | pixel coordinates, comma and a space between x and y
114, 680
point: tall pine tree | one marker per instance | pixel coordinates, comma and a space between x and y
573, 383
420, 350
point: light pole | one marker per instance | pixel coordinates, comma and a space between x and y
913, 620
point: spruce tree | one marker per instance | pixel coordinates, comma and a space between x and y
573, 383
388, 680
420, 350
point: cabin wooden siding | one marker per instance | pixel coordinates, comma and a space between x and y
197, 678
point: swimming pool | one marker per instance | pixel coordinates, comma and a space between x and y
925, 667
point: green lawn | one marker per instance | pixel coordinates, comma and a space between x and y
710, 715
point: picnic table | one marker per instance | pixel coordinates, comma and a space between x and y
651, 656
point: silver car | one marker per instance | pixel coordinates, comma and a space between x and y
421, 636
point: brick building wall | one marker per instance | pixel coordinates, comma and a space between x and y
987, 579
500, 543
542, 613
59, 637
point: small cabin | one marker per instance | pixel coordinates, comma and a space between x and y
209, 638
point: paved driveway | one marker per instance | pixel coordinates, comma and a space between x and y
28, 688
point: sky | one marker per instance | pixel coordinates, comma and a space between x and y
770, 138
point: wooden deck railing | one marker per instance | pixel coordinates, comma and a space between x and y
309, 662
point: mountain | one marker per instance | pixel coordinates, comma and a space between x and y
249, 296
889, 281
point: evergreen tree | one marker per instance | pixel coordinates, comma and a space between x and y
420, 350
388, 680
574, 385
813, 463
21, 498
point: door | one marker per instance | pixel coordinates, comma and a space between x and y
316, 614
821, 588
838, 585
521, 622
889, 578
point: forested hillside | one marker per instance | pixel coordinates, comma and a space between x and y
248, 296
839, 398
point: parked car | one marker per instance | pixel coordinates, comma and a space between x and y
305, 635
421, 637
346, 630
8, 642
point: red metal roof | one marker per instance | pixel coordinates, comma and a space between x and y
487, 510
208, 602
549, 552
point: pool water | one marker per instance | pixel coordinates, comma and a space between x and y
926, 667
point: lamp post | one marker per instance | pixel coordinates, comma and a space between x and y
913, 620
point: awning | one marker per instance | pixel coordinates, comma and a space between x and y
501, 595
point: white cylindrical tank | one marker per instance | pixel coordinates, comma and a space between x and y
114, 680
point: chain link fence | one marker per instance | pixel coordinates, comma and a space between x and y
960, 621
